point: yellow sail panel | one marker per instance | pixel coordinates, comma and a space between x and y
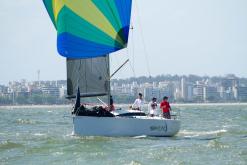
88, 11
57, 7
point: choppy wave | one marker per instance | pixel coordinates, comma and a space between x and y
39, 134
217, 144
4, 145
26, 121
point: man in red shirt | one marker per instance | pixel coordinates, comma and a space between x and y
165, 106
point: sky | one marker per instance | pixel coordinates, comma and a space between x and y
202, 37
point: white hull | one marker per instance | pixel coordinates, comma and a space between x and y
125, 126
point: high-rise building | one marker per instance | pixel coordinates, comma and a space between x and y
189, 92
168, 91
51, 91
242, 93
210, 94
229, 82
150, 92
198, 92
184, 89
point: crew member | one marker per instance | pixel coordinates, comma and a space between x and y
152, 107
112, 107
138, 103
165, 107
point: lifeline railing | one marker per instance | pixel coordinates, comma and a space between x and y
175, 114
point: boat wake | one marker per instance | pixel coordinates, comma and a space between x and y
202, 135
140, 137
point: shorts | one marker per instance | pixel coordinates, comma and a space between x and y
167, 115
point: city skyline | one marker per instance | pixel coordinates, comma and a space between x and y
197, 37
181, 89
37, 75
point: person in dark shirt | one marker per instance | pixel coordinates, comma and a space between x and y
112, 108
165, 106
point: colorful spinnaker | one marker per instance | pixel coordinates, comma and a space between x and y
90, 28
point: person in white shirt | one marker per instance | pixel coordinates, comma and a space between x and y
138, 103
152, 107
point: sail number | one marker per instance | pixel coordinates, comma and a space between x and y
161, 128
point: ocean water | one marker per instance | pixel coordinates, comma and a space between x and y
210, 134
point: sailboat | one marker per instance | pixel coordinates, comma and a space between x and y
88, 31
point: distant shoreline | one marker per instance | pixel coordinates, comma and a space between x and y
34, 106
207, 104
120, 105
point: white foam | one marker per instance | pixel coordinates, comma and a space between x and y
201, 133
39, 134
139, 137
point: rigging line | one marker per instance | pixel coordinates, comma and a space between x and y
107, 61
119, 68
132, 68
102, 102
79, 77
128, 54
133, 47
142, 37
109, 82
115, 59
85, 73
